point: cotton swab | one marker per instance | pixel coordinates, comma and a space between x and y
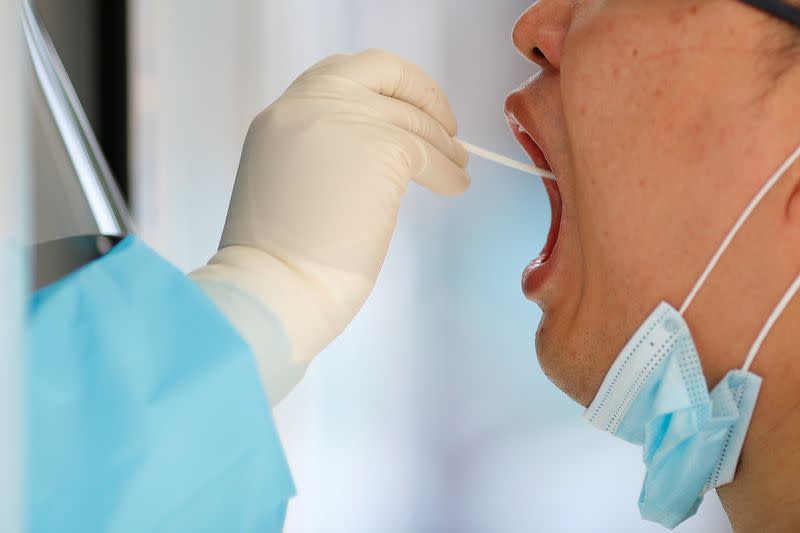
506, 161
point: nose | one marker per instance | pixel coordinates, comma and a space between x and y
539, 33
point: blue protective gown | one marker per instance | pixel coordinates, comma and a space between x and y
145, 411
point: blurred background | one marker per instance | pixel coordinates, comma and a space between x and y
430, 414
13, 261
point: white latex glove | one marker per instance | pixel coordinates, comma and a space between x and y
316, 199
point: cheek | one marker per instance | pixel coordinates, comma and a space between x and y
629, 104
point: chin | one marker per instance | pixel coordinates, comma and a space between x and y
564, 366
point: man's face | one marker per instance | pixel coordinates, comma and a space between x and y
644, 110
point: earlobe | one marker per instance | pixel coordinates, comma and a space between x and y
793, 206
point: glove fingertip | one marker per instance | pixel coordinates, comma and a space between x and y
462, 184
442, 176
456, 185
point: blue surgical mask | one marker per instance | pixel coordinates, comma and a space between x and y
655, 395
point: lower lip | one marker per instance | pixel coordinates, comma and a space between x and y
542, 268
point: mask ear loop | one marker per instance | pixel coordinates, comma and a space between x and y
773, 318
738, 226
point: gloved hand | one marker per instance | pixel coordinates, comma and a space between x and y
316, 199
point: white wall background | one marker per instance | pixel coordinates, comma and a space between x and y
430, 414
13, 274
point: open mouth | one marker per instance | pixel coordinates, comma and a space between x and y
553, 193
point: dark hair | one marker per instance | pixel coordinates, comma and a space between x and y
795, 32
792, 31
795, 28
786, 45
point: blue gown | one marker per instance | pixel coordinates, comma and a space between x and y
144, 408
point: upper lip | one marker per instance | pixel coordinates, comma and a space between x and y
529, 136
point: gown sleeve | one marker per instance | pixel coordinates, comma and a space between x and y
144, 408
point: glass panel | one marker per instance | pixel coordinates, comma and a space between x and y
75, 198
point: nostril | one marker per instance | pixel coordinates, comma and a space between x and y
537, 53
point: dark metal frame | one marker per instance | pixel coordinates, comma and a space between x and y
778, 9
111, 56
